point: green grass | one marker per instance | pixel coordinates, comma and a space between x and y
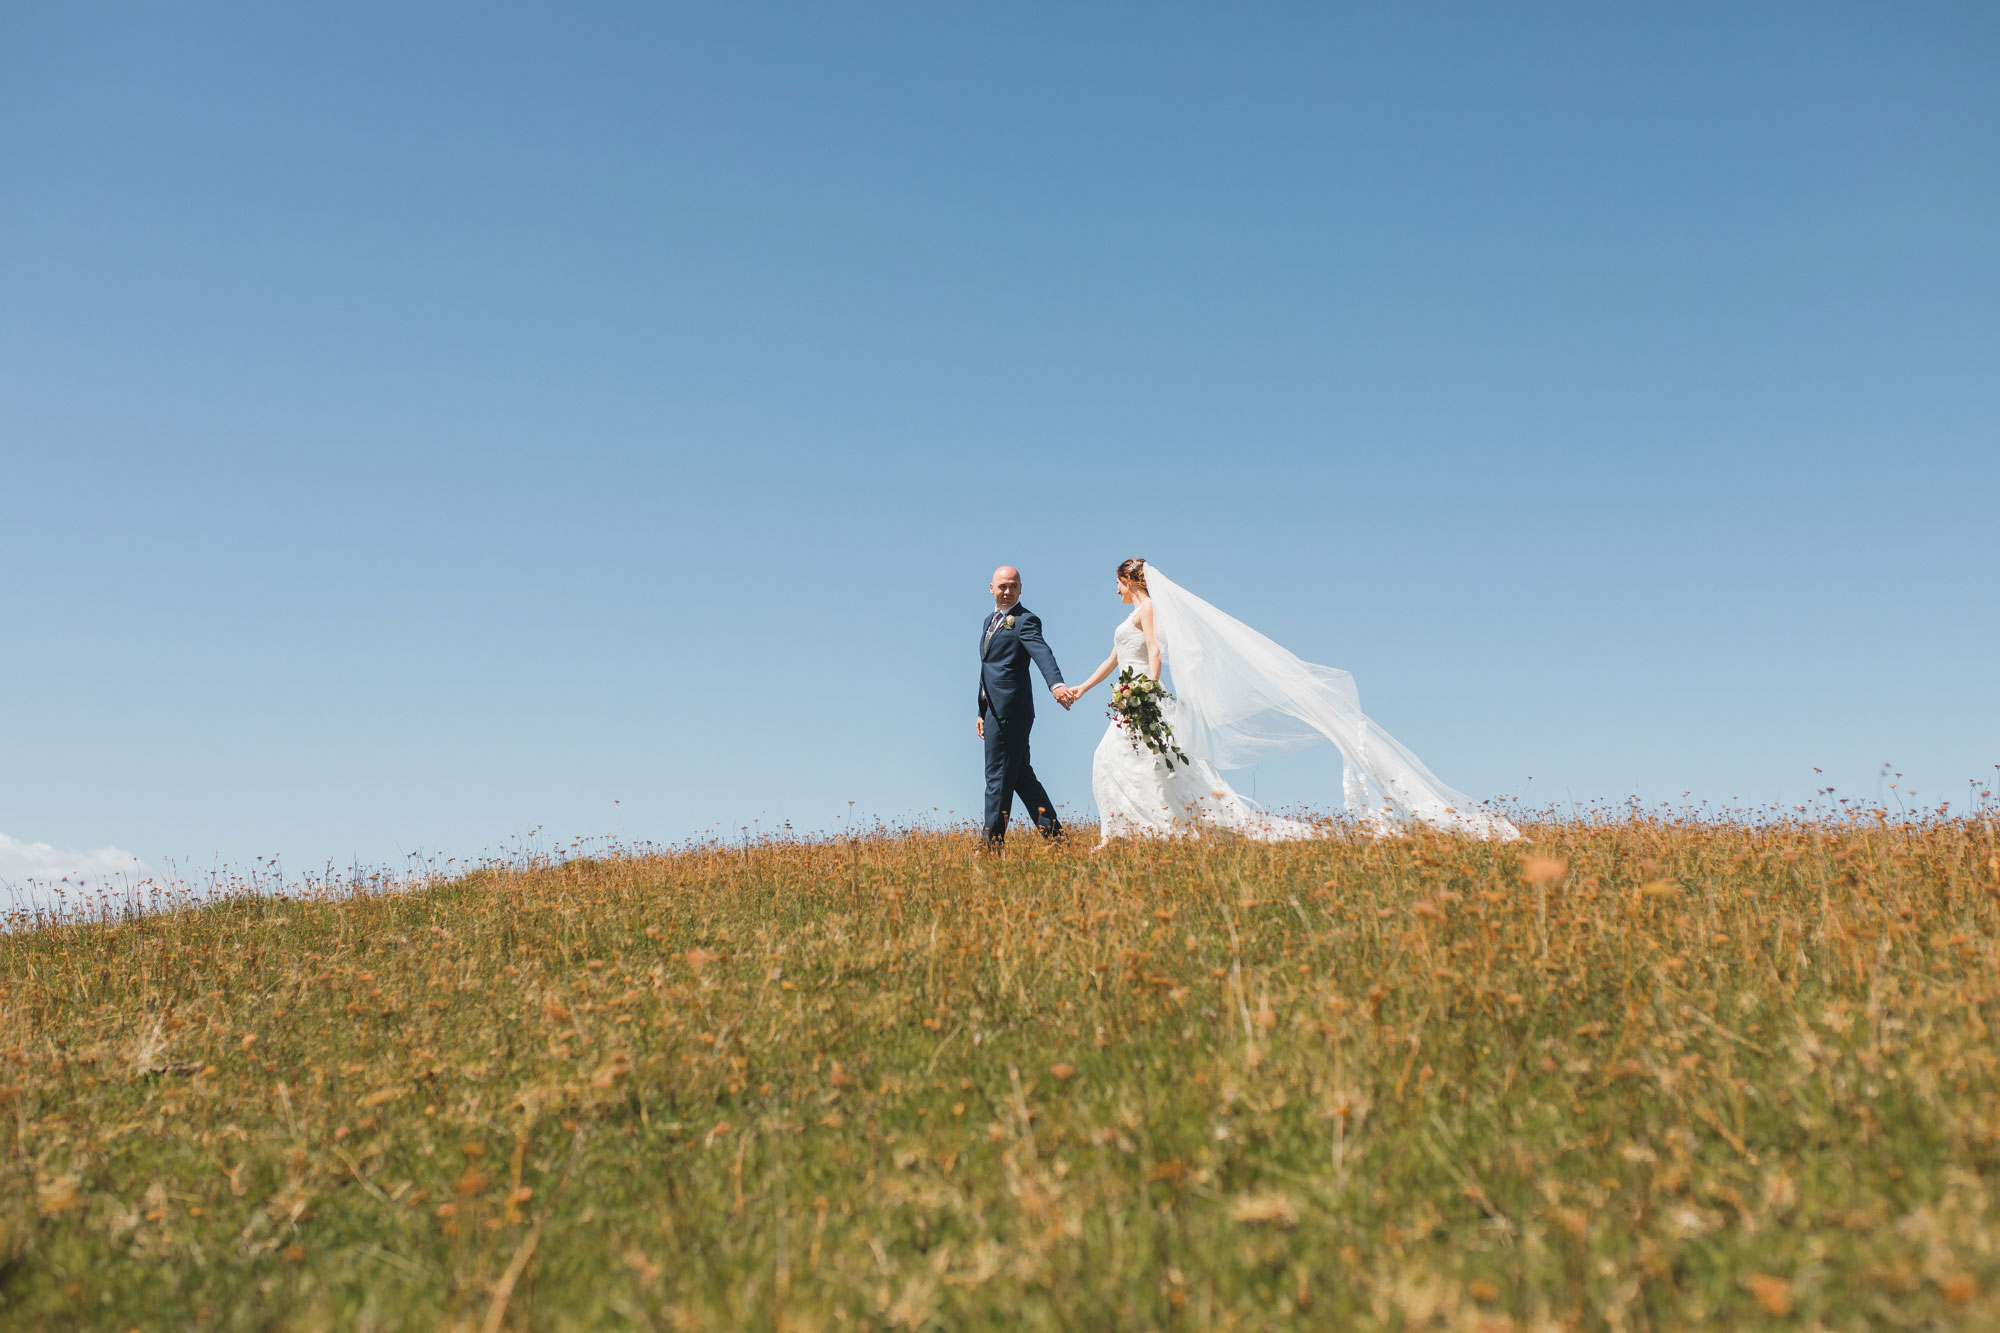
1652, 1075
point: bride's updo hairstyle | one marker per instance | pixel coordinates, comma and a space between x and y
1133, 571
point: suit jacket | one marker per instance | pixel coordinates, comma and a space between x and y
1004, 686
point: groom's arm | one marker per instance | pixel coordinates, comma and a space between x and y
1030, 630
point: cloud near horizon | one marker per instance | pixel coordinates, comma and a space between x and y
23, 863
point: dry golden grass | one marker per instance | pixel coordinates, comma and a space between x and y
1645, 1075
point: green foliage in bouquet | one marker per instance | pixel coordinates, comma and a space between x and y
1135, 703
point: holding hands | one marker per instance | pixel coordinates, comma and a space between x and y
1065, 695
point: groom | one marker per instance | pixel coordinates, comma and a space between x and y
1010, 639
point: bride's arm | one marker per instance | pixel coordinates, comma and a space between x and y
1152, 640
1105, 668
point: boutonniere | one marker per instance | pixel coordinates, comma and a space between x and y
1008, 623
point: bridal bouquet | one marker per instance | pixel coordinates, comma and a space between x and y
1135, 706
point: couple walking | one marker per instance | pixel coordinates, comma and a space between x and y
1238, 699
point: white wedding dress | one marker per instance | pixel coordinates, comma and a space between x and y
1138, 796
1240, 699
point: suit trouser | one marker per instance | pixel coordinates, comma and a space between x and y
1008, 774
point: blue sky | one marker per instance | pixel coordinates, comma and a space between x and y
417, 428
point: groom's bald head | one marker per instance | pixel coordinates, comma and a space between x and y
1006, 588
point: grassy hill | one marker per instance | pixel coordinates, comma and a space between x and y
1647, 1075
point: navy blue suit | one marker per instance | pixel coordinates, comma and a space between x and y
1008, 641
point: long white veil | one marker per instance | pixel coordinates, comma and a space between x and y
1242, 699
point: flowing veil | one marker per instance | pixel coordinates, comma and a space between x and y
1242, 699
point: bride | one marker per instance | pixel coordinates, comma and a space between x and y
1239, 699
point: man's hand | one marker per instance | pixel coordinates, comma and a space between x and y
1064, 695
979, 728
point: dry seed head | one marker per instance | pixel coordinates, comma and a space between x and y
1543, 869
1265, 1210
1774, 1294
